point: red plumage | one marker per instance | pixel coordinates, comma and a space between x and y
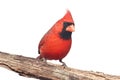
56, 43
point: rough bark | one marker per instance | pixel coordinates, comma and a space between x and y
31, 67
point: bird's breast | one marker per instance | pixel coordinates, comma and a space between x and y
55, 48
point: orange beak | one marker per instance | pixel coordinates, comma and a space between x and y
70, 28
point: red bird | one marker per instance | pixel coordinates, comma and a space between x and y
56, 43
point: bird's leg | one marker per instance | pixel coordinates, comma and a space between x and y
63, 63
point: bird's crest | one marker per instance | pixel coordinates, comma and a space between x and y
68, 17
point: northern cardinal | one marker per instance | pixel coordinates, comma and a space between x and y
56, 43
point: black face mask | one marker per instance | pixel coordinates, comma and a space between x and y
66, 34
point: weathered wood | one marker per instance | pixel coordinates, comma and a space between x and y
31, 67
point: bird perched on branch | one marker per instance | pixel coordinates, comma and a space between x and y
56, 43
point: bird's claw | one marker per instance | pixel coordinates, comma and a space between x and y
41, 59
63, 63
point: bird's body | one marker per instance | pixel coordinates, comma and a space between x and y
56, 43
54, 47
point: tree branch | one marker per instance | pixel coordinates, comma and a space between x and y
31, 67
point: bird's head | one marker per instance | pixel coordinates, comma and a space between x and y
68, 22
64, 26
67, 26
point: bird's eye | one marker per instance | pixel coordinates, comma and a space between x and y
66, 24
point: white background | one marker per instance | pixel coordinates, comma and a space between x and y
96, 41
